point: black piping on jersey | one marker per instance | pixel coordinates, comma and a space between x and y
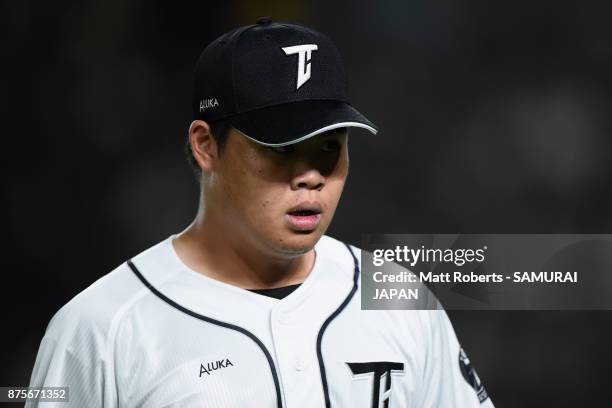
247, 333
328, 321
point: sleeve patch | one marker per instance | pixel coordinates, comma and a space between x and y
469, 374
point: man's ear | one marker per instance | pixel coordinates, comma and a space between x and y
203, 146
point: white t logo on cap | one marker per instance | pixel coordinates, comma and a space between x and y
305, 53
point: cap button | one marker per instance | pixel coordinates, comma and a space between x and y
264, 20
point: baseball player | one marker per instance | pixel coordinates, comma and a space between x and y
252, 305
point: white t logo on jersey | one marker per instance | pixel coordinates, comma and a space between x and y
304, 54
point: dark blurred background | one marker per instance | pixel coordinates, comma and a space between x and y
495, 118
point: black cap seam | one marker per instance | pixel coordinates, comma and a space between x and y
234, 45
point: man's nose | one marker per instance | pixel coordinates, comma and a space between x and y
307, 177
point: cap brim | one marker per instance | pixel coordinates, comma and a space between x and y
289, 123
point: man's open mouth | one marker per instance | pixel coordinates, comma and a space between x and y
304, 217
303, 213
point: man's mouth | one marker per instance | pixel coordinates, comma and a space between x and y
302, 213
305, 216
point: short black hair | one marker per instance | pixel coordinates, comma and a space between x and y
220, 131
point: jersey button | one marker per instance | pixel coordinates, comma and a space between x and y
285, 318
299, 364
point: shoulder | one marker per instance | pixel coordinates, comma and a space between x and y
339, 257
85, 321
93, 312
428, 317
337, 251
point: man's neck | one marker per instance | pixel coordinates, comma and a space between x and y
207, 249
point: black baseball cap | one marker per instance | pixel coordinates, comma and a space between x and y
277, 83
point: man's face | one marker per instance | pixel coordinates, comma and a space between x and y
280, 199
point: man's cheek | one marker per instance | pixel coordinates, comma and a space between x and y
264, 211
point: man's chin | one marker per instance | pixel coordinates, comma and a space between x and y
299, 243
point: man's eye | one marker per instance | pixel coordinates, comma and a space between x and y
331, 146
281, 149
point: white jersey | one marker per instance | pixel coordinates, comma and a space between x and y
153, 333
